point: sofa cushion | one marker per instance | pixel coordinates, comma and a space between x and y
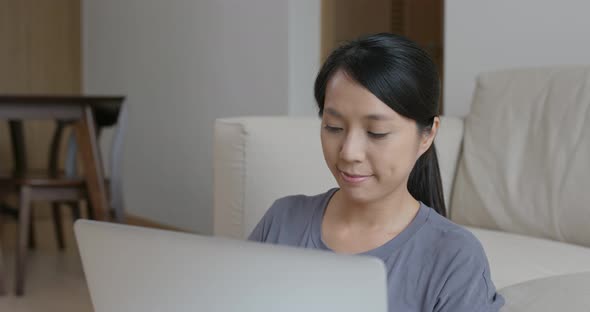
516, 258
526, 150
558, 293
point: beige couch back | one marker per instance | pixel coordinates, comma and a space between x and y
260, 159
525, 166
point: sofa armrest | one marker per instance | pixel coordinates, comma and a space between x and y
260, 159
228, 178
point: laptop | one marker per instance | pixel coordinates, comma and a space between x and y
136, 269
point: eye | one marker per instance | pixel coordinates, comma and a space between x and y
332, 129
377, 135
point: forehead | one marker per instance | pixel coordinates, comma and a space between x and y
346, 98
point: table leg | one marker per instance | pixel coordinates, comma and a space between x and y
2, 279
17, 141
93, 170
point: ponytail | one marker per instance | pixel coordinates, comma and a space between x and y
425, 183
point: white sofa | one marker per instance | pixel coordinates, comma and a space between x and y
515, 171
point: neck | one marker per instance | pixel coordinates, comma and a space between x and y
393, 211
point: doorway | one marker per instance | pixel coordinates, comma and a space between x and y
420, 20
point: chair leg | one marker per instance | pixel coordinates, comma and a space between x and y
32, 239
117, 213
76, 212
53, 167
90, 210
2, 275
57, 222
22, 238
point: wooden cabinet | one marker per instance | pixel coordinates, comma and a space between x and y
419, 20
39, 54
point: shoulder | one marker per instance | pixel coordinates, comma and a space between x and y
461, 268
452, 248
289, 216
462, 272
453, 239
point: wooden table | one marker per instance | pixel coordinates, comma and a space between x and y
78, 109
83, 111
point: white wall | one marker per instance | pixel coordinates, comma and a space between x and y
182, 64
485, 35
304, 54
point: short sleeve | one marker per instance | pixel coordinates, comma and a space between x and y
262, 229
468, 286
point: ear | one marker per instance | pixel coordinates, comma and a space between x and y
427, 137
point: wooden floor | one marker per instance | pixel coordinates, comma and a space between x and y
54, 280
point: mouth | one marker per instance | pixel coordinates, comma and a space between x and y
353, 178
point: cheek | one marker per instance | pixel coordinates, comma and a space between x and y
395, 159
329, 148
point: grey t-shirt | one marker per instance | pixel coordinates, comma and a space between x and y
432, 265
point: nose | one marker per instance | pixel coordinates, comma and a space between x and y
353, 148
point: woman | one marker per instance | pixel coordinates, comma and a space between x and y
378, 100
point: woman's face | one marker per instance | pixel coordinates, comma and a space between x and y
369, 148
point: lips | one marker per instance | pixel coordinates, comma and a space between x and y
353, 178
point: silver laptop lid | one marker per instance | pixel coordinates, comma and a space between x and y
137, 269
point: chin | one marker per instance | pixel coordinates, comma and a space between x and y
357, 194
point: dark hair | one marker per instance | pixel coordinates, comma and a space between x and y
404, 77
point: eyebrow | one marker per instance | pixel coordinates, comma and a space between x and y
377, 117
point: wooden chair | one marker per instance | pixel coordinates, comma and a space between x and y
59, 188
